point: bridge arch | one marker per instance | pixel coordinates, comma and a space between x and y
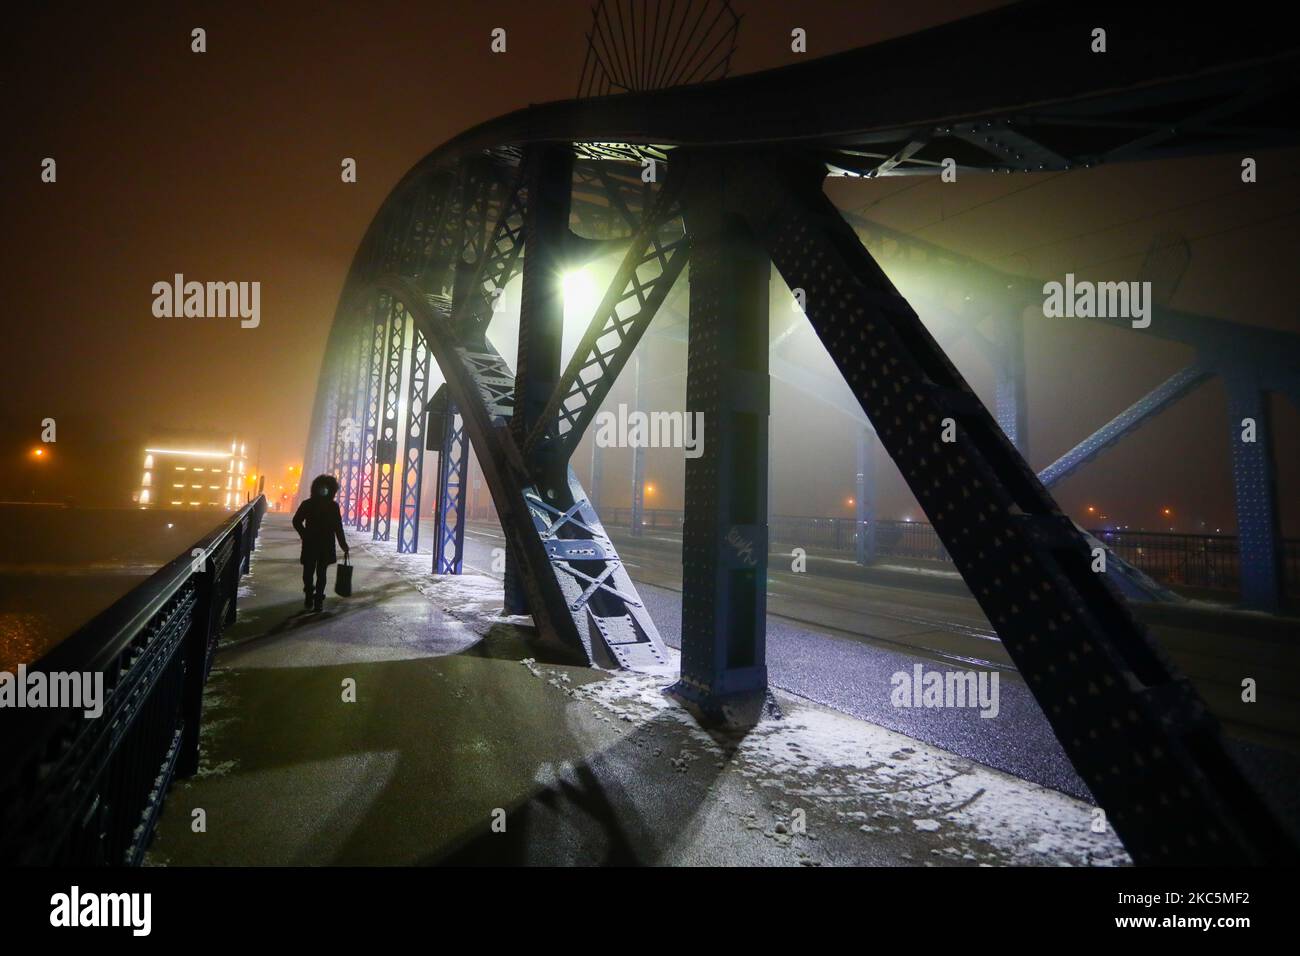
742, 192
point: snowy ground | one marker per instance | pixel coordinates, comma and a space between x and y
815, 769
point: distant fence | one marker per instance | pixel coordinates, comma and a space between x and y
77, 790
1203, 562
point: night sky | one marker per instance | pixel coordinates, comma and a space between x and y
225, 166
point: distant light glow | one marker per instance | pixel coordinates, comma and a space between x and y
187, 451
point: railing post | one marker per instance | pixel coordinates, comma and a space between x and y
197, 640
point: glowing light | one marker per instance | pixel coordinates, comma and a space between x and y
580, 293
1166, 511
38, 452
187, 451
144, 496
649, 489
849, 502
1091, 510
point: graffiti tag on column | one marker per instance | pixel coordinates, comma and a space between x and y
742, 545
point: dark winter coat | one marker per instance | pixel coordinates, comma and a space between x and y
319, 523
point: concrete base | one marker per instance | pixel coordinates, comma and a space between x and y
465, 745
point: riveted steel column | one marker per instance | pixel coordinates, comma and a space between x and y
638, 456
549, 177
1254, 479
724, 537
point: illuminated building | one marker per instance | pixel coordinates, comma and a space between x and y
194, 474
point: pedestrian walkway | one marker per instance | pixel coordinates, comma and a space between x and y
464, 743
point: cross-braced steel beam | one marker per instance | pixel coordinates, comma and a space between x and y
453, 463
1136, 731
378, 310
578, 591
417, 395
351, 428
386, 442
652, 263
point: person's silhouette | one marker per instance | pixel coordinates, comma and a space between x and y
318, 522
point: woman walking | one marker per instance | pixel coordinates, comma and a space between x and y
319, 522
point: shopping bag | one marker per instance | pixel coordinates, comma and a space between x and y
343, 578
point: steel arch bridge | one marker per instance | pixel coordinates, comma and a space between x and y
729, 174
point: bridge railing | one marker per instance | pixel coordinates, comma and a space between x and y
1194, 562
87, 790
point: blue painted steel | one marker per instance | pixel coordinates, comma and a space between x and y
386, 443
449, 521
865, 501
352, 437
374, 383
1150, 404
417, 396
1254, 478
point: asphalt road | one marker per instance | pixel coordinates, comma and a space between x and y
861, 637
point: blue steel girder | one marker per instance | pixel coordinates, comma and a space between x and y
1136, 731
417, 396
445, 241
497, 265
349, 374
609, 625
377, 309
449, 526
386, 442
650, 267
1254, 479
352, 426
432, 204
1178, 385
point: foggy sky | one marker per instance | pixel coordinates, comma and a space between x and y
225, 166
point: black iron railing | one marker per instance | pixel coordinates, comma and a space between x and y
78, 790
1195, 562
